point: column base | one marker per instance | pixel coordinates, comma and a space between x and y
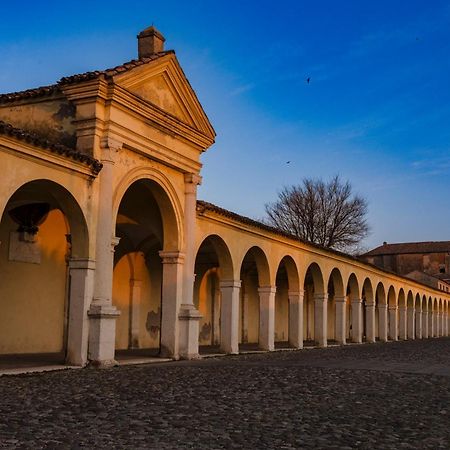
102, 335
189, 317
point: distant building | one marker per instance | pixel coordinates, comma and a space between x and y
427, 262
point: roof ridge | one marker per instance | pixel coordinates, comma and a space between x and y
83, 76
27, 136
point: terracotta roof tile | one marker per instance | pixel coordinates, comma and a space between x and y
411, 247
205, 206
48, 90
29, 93
114, 70
26, 136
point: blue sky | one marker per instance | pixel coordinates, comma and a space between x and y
376, 111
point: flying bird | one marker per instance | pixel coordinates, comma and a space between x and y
308, 80
288, 162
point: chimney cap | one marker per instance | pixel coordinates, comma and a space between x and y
151, 31
150, 41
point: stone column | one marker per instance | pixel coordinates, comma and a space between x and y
430, 323
341, 320
418, 324
296, 319
267, 317
370, 322
171, 292
446, 323
102, 313
411, 323
135, 306
425, 323
229, 316
393, 326
320, 319
81, 273
382, 322
356, 320
403, 325
188, 314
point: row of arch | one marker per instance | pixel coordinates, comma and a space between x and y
250, 300
280, 304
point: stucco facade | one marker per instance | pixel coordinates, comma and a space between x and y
104, 246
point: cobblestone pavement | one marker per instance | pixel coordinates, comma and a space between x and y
321, 398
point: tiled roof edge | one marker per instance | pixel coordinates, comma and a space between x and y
114, 70
26, 136
41, 91
206, 206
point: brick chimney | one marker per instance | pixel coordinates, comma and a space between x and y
150, 41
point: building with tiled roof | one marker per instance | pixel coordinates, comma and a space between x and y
105, 249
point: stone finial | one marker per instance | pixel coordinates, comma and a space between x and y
150, 41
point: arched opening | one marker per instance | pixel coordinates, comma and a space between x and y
213, 265
392, 315
314, 307
145, 226
287, 293
410, 316
355, 314
381, 313
369, 312
431, 313
401, 315
42, 231
255, 287
418, 327
336, 313
425, 322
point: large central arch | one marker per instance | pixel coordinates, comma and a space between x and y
148, 228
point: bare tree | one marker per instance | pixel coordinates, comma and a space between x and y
327, 214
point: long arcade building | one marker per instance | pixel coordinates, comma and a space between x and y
104, 246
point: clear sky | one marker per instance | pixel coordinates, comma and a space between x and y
376, 110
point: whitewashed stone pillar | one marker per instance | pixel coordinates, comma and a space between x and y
229, 316
356, 320
418, 324
393, 325
171, 294
431, 329
382, 322
446, 323
102, 313
403, 325
189, 315
81, 273
370, 322
296, 318
267, 317
341, 320
411, 323
320, 319
425, 324
135, 306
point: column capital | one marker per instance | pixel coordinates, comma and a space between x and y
356, 300
267, 289
340, 299
110, 147
393, 308
171, 257
230, 284
299, 293
192, 179
382, 306
321, 297
81, 263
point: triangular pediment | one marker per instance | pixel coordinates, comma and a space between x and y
162, 83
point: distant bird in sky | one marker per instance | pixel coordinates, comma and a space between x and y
288, 162
308, 80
